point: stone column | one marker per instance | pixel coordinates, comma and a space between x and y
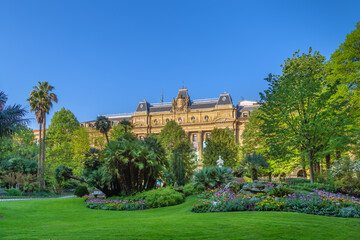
201, 139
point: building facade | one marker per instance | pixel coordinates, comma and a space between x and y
196, 117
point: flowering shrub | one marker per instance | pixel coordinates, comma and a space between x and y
317, 202
119, 205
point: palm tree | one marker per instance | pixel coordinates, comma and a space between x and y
103, 125
254, 162
41, 101
10, 116
126, 124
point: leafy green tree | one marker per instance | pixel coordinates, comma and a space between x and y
41, 101
344, 70
62, 127
10, 116
222, 143
298, 114
178, 148
103, 125
80, 143
60, 140
171, 136
177, 168
116, 132
253, 139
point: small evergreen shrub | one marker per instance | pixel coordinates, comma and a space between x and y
14, 192
81, 190
162, 197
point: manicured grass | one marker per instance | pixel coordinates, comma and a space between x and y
70, 219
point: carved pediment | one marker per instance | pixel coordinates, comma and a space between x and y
181, 104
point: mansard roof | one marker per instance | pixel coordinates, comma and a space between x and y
143, 106
224, 99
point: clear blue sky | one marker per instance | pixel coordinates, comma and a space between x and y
105, 56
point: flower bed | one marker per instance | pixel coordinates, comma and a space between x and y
119, 205
317, 202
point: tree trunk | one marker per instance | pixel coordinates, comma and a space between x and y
42, 183
269, 176
107, 138
327, 160
40, 154
304, 171
338, 154
311, 163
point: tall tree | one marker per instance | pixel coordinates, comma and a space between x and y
298, 112
10, 116
103, 125
344, 70
59, 139
178, 148
222, 143
41, 101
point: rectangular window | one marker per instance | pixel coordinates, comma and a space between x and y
194, 138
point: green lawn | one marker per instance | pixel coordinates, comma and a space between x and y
70, 219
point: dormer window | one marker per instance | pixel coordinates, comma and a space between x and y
245, 115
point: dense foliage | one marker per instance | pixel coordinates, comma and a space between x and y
18, 160
124, 167
213, 176
300, 115
222, 143
60, 140
179, 153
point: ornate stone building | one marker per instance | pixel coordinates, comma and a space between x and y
197, 117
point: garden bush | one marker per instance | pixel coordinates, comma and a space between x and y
161, 197
213, 176
81, 190
14, 192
